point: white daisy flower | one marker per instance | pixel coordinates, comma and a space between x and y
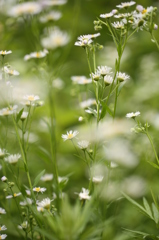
45, 203
126, 4
52, 2
13, 196
87, 103
3, 228
25, 9
39, 54
3, 53
132, 114
96, 75
83, 41
84, 195
39, 189
77, 79
58, 83
40, 209
122, 76
8, 111
70, 135
10, 71
118, 25
80, 119
47, 177
107, 15
4, 179
97, 179
13, 159
28, 192
3, 236
83, 144
56, 38
24, 225
24, 115
31, 98
2, 211
51, 16
28, 201
104, 70
2, 153
108, 80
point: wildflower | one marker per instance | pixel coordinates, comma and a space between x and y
8, 111
47, 177
25, 9
58, 83
4, 179
13, 159
45, 203
39, 189
97, 179
40, 209
83, 144
104, 70
3, 53
126, 4
10, 71
63, 179
108, 80
2, 211
39, 54
24, 116
28, 201
14, 195
84, 81
84, 195
3, 236
28, 192
2, 153
70, 135
80, 119
52, 16
86, 40
88, 103
107, 15
56, 38
118, 25
132, 115
24, 225
52, 2
122, 77
96, 75
31, 98
3, 228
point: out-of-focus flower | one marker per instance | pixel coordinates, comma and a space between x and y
13, 159
126, 4
58, 83
3, 236
25, 9
83, 144
14, 195
84, 194
3, 228
81, 80
40, 209
70, 135
132, 115
108, 80
10, 71
122, 76
24, 116
2, 153
104, 70
56, 38
39, 189
87, 103
97, 179
80, 119
118, 25
96, 75
47, 177
2, 211
31, 98
3, 53
28, 201
28, 192
24, 225
46, 3
85, 40
45, 203
8, 111
4, 179
39, 54
51, 16
106, 15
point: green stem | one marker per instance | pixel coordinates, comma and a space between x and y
155, 40
150, 139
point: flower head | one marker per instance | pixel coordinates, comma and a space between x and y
31, 98
39, 189
13, 159
83, 144
47, 177
122, 76
84, 195
85, 40
14, 195
3, 236
3, 228
2, 153
106, 15
104, 70
10, 71
4, 179
70, 135
118, 25
51, 16
126, 4
132, 115
97, 179
108, 80
8, 111
45, 203
3, 53
39, 54
82, 80
2, 211
25, 9
28, 201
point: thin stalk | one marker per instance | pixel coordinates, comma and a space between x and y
155, 40
150, 139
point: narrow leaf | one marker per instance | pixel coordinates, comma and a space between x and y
153, 164
37, 179
147, 207
155, 213
134, 203
19, 114
104, 111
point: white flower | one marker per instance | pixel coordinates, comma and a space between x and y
25, 9
58, 83
126, 4
3, 236
28, 192
88, 103
40, 209
14, 195
84, 195
4, 179
96, 75
81, 80
56, 38
132, 115
53, 15
45, 203
2, 211
2, 153
85, 40
39, 189
24, 225
108, 80
83, 144
8, 111
104, 70
10, 71
80, 119
3, 53
97, 179
47, 177
28, 201
118, 25
70, 135
24, 115
107, 15
31, 98
39, 54
122, 77
52, 2
13, 159
3, 228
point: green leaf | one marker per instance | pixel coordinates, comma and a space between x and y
134, 203
153, 164
155, 213
19, 114
93, 111
37, 179
104, 110
147, 207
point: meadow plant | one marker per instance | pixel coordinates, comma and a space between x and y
80, 194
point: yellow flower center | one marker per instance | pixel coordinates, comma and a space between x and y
6, 112
37, 54
11, 72
37, 189
58, 40
14, 195
31, 98
70, 135
144, 11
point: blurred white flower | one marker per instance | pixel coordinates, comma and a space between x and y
39, 54
126, 4
2, 153
25, 9
24, 115
132, 115
118, 25
81, 80
3, 53
13, 159
104, 70
27, 201
8, 111
47, 177
97, 179
13, 196
3, 236
84, 194
46, 3
122, 76
56, 38
4, 179
51, 16
3, 228
24, 225
58, 83
70, 135
87, 103
85, 40
2, 211
83, 144
31, 98
39, 189
108, 80
45, 203
10, 71
106, 15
